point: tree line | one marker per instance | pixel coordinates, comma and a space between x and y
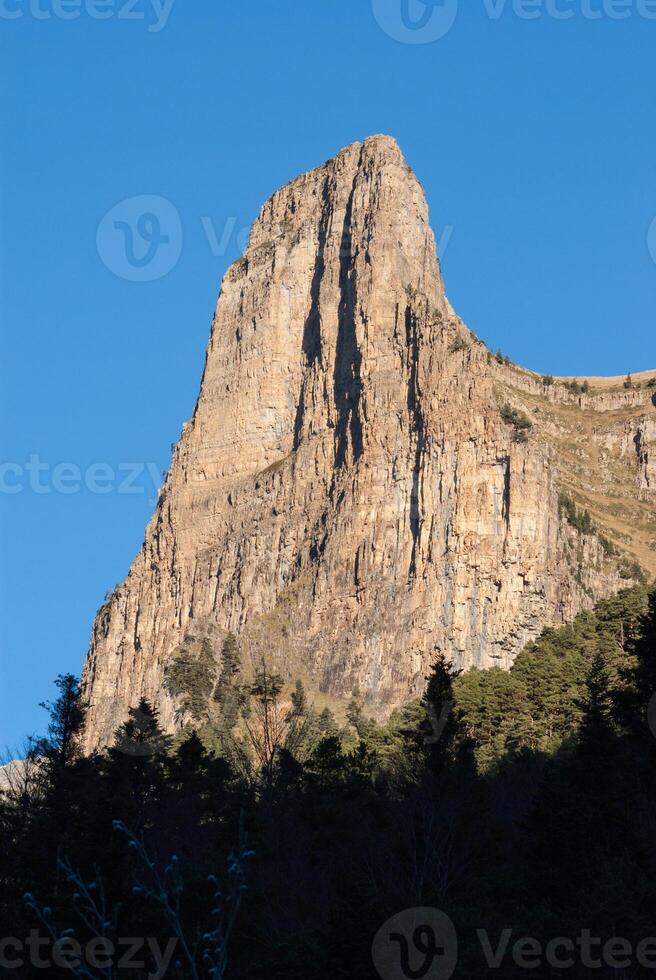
269, 839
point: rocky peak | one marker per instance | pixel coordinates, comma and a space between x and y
353, 493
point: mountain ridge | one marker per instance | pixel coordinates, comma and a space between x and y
362, 485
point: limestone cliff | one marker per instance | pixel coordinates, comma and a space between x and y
360, 486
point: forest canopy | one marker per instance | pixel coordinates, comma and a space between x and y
269, 839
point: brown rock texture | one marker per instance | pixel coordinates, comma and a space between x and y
347, 498
644, 441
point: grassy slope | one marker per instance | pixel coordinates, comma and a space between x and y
596, 461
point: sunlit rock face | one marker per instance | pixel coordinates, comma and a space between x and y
347, 498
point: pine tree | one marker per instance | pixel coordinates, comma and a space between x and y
445, 739
327, 724
141, 734
62, 745
230, 659
596, 705
636, 704
227, 694
299, 700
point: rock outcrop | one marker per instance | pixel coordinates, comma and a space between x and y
349, 498
644, 441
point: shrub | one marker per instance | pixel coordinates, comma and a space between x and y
632, 570
520, 422
576, 388
547, 380
458, 344
580, 520
628, 381
511, 416
190, 675
607, 545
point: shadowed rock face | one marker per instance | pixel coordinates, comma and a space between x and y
347, 498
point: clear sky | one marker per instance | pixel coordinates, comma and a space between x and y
533, 132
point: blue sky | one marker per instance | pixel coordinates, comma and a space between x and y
532, 131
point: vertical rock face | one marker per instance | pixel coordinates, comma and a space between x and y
644, 441
347, 497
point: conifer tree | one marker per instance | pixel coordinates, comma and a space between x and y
61, 747
596, 706
228, 694
141, 734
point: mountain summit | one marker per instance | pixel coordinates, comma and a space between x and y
362, 484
